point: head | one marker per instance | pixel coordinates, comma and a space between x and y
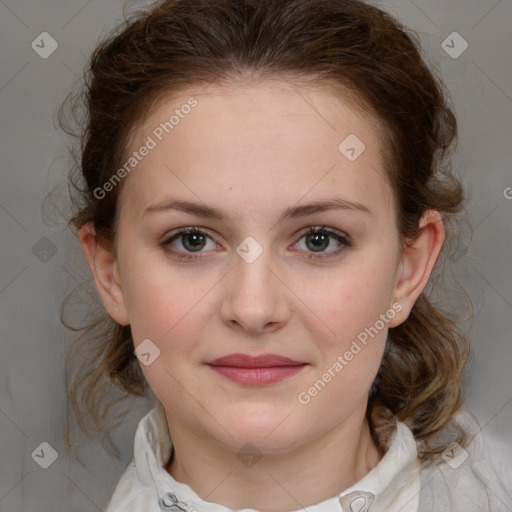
252, 110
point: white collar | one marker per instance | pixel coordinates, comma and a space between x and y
392, 485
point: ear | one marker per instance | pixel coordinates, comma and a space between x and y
417, 263
104, 267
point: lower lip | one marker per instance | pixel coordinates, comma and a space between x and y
257, 376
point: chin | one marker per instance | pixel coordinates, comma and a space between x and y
269, 433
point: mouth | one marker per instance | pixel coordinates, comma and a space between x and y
256, 370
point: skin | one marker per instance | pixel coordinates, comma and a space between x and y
251, 151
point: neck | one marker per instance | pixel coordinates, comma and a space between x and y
328, 465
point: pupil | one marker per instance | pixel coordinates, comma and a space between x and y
321, 238
197, 240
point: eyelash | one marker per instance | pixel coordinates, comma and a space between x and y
345, 243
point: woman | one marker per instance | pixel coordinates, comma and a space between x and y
265, 202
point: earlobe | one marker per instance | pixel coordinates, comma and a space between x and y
103, 265
417, 263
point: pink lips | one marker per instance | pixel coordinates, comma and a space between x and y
258, 370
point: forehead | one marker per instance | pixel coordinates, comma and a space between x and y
265, 143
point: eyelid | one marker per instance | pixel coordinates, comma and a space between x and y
325, 229
342, 238
177, 233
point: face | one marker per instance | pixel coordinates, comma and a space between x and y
316, 286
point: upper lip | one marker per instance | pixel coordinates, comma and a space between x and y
247, 361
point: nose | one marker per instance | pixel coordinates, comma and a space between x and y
255, 298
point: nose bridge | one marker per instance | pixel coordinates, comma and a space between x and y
253, 297
253, 273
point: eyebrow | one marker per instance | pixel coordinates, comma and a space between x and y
202, 210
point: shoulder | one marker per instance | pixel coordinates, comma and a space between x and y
476, 477
130, 495
137, 488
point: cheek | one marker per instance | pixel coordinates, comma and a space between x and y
355, 298
159, 295
167, 312
166, 316
358, 310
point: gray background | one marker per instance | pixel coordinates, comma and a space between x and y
33, 190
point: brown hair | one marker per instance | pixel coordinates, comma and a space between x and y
357, 50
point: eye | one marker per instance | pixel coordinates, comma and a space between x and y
192, 239
317, 239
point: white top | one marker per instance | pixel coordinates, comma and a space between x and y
396, 484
